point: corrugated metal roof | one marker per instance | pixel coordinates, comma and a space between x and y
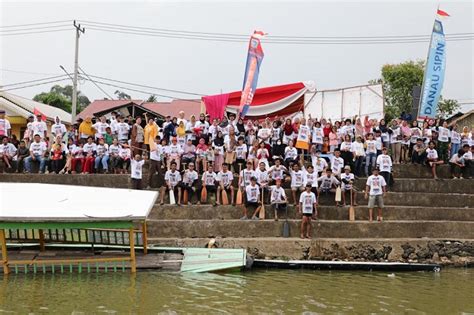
25, 107
98, 106
190, 107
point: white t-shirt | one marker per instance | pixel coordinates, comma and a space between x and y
371, 146
38, 148
58, 129
209, 178
172, 177
443, 134
327, 182
310, 178
253, 193
431, 154
264, 134
296, 178
39, 127
90, 148
241, 151
4, 127
122, 130
225, 178
100, 129
358, 148
114, 149
455, 137
246, 175
277, 194
347, 177
155, 155
262, 176
102, 149
376, 183
319, 164
337, 164
8, 148
190, 176
291, 153
125, 153
384, 162
136, 167
277, 172
307, 201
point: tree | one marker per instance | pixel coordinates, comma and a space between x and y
61, 97
447, 107
152, 99
398, 82
122, 95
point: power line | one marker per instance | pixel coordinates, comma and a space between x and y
29, 33
34, 24
33, 28
288, 41
31, 85
101, 89
27, 72
142, 91
146, 86
33, 81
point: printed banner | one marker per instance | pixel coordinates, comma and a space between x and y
434, 73
252, 68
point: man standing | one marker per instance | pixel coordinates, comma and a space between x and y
308, 209
39, 127
375, 191
58, 128
5, 127
384, 163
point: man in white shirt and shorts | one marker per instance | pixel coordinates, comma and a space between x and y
375, 191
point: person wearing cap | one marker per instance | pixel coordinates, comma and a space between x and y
384, 164
5, 127
278, 198
347, 180
308, 209
39, 127
252, 199
277, 170
375, 191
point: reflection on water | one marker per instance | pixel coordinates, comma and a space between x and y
274, 291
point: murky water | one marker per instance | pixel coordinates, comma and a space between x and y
273, 291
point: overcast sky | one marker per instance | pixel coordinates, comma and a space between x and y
208, 67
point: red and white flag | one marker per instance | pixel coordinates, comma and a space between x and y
36, 112
442, 13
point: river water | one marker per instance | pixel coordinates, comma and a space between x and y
274, 291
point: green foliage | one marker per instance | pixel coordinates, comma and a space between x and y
398, 82
122, 95
61, 97
152, 99
447, 107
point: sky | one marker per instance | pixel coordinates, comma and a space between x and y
209, 67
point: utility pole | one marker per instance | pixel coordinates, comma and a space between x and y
79, 30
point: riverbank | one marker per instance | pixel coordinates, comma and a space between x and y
426, 221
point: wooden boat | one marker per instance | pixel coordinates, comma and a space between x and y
345, 265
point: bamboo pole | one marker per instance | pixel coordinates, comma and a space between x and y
3, 243
133, 262
145, 238
41, 240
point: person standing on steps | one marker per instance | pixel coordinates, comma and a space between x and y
278, 197
252, 199
308, 209
375, 190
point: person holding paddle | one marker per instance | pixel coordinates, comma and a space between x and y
225, 178
172, 179
208, 184
308, 210
190, 178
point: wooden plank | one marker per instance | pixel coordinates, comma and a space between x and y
133, 261
3, 243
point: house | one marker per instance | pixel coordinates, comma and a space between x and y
138, 107
463, 120
18, 109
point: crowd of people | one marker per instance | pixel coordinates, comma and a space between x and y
197, 153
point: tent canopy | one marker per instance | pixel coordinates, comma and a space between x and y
63, 203
281, 100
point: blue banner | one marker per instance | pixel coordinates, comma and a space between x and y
434, 74
252, 69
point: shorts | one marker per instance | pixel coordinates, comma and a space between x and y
252, 204
376, 200
308, 215
295, 188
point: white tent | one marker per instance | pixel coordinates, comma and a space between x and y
337, 104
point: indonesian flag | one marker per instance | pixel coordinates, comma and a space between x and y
36, 112
442, 13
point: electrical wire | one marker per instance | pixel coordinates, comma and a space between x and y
31, 85
29, 33
33, 28
32, 24
101, 89
36, 80
27, 72
146, 86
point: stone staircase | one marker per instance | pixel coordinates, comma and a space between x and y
425, 221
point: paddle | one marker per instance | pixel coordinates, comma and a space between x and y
172, 199
286, 225
204, 194
351, 209
338, 196
225, 199
262, 208
185, 196
238, 200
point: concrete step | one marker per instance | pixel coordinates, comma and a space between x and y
464, 186
321, 228
208, 212
415, 199
426, 250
